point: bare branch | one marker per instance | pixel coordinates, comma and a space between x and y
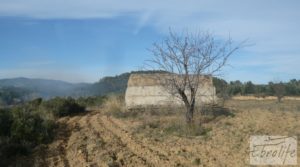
188, 59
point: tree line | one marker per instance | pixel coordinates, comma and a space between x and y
233, 88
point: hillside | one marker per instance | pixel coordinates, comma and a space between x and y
42, 87
27, 88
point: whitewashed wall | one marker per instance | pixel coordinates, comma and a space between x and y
140, 93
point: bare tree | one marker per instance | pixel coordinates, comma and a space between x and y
279, 90
189, 59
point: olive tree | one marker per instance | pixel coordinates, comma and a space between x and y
188, 58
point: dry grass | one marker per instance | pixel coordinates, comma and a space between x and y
167, 120
113, 104
171, 122
266, 105
160, 136
219, 136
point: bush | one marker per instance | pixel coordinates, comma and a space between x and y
25, 126
29, 126
21, 129
6, 121
61, 107
34, 104
215, 111
91, 101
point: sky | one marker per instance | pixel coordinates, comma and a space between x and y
85, 40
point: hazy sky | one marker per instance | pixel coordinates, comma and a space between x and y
84, 40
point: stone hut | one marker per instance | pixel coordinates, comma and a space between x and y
145, 90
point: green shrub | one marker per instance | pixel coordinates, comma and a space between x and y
6, 121
91, 101
30, 126
34, 104
25, 126
21, 129
63, 107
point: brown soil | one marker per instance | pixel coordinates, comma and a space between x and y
95, 139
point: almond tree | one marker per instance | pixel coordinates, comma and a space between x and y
188, 58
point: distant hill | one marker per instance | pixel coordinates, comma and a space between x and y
43, 87
19, 89
107, 85
112, 84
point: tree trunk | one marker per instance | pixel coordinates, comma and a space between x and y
189, 114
